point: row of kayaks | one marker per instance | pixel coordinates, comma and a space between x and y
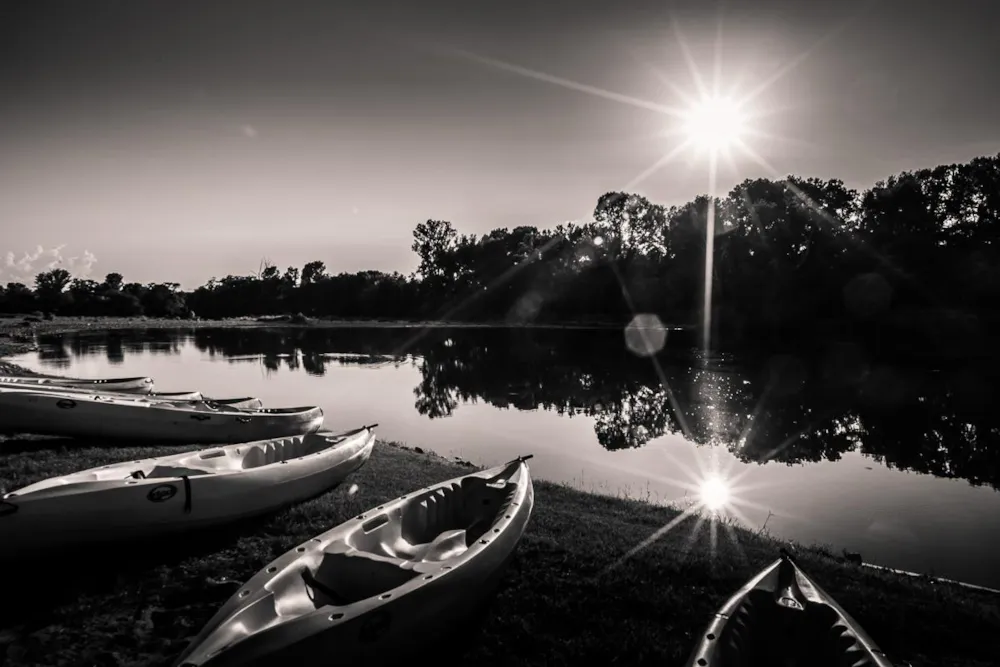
128, 409
409, 568
121, 387
405, 572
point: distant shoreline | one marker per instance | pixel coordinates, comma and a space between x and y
18, 333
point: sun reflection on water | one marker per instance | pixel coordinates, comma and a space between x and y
714, 493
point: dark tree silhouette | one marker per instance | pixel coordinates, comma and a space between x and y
909, 267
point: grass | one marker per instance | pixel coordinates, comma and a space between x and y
559, 604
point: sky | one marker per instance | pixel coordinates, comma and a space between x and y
177, 141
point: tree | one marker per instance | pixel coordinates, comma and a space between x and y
270, 272
18, 298
313, 272
163, 300
631, 224
49, 286
84, 295
123, 304
113, 282
432, 241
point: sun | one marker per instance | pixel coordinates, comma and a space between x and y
714, 493
715, 123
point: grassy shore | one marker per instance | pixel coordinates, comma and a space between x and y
570, 596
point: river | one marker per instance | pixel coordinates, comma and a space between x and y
899, 464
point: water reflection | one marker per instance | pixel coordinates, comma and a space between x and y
784, 408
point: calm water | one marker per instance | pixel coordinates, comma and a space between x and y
899, 464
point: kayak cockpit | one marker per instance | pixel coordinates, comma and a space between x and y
762, 632
244, 456
783, 618
266, 453
426, 526
388, 549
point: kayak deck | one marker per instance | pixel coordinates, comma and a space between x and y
231, 458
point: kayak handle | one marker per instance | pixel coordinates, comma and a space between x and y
354, 431
7, 507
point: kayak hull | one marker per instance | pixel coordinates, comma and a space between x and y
191, 490
133, 385
140, 419
782, 617
400, 576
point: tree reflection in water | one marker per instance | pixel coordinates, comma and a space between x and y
788, 408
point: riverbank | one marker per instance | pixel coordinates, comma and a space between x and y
562, 602
18, 332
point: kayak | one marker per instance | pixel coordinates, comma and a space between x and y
135, 385
17, 382
194, 489
401, 573
243, 402
783, 617
48, 412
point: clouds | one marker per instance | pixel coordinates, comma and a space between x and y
24, 268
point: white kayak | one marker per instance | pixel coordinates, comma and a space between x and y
400, 574
49, 412
783, 617
246, 402
136, 385
196, 489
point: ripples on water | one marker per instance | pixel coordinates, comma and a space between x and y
667, 419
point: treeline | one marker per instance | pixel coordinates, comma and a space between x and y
56, 291
913, 258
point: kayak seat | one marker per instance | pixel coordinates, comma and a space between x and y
344, 577
347, 577
449, 544
175, 471
433, 526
